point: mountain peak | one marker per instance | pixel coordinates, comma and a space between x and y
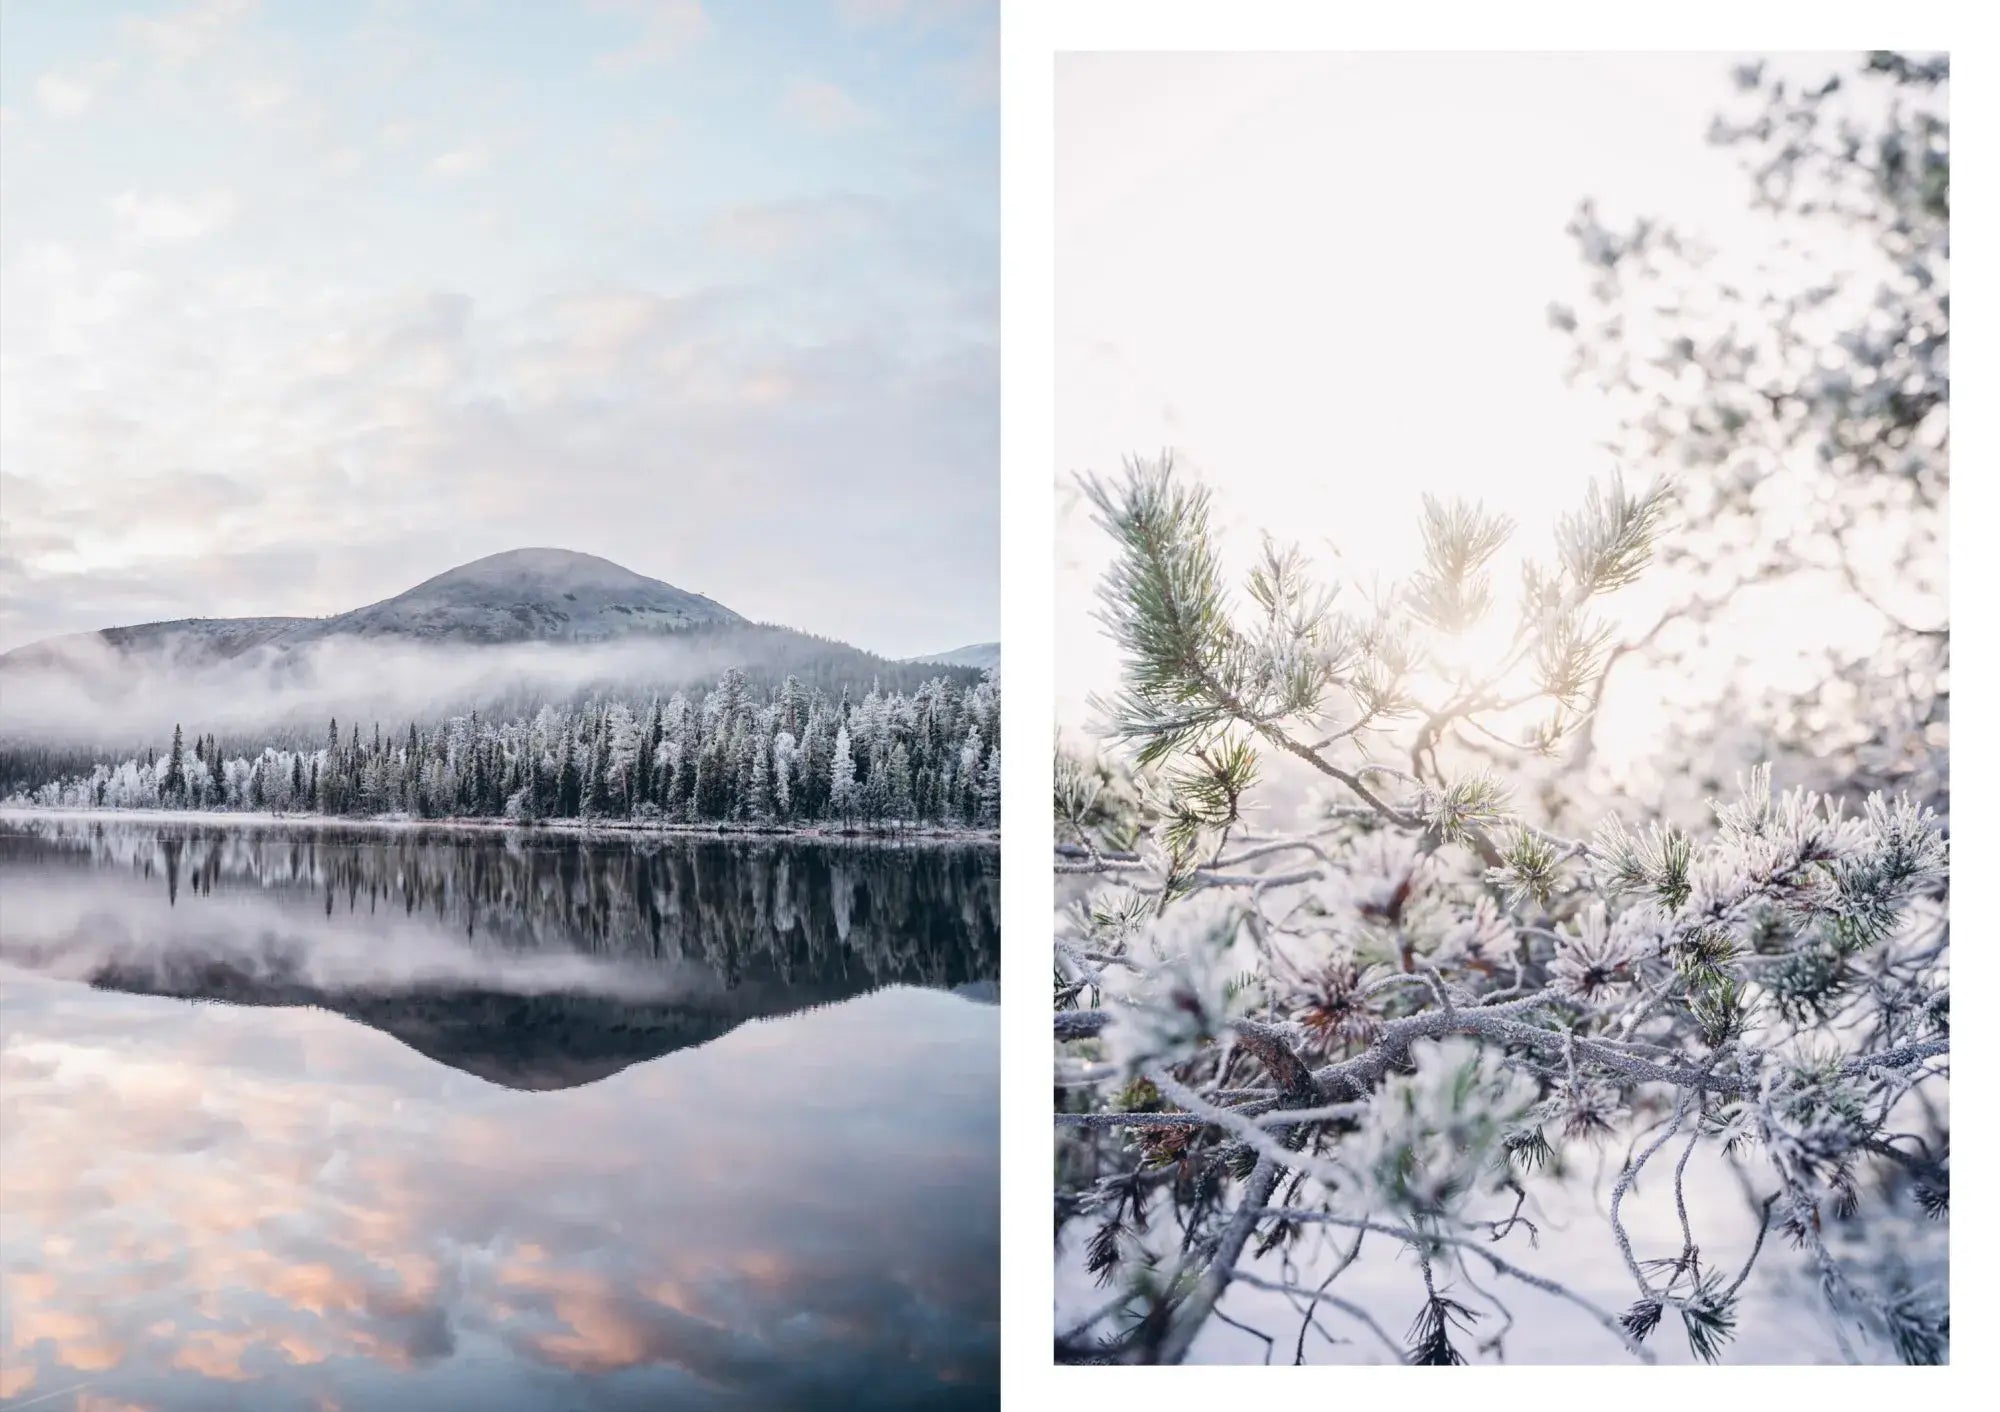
540, 593
541, 563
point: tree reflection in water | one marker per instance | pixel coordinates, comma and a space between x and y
535, 961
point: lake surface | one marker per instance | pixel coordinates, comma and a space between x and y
340, 1117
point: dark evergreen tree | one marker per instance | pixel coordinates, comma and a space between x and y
173, 788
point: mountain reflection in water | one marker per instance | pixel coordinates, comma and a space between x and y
538, 964
492, 1120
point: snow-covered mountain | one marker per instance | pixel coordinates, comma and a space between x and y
186, 642
980, 655
525, 595
522, 595
512, 629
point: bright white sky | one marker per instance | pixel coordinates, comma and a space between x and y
304, 302
1324, 280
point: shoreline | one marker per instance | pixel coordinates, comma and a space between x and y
932, 835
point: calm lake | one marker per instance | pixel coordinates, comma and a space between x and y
347, 1117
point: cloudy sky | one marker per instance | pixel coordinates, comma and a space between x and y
304, 303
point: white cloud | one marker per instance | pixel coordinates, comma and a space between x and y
667, 29
917, 12
466, 161
641, 142
769, 228
161, 220
258, 96
871, 11
824, 107
71, 94
188, 34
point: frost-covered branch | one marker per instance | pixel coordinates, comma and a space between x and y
1404, 1018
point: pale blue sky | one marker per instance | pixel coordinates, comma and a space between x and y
305, 302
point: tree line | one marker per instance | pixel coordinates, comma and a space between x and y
795, 755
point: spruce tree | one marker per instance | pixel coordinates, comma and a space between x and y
989, 791
842, 795
569, 787
173, 787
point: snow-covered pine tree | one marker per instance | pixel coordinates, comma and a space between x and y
969, 756
783, 752
621, 734
989, 790
902, 803
1410, 1019
843, 796
719, 758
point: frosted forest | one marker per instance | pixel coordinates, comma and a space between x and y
793, 757
1399, 1019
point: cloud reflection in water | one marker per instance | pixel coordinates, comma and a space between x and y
219, 1206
